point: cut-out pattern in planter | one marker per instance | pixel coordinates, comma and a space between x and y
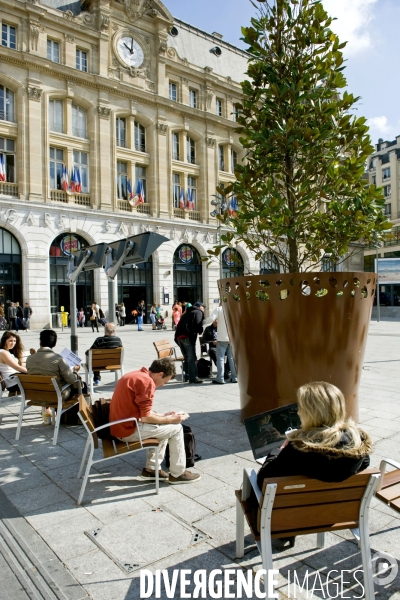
228, 288
364, 292
283, 294
339, 294
264, 283
248, 295
236, 297
224, 299
332, 282
317, 280
262, 295
356, 282
321, 293
305, 288
279, 282
248, 284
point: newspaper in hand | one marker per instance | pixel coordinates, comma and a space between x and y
72, 359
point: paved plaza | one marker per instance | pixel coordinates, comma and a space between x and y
50, 548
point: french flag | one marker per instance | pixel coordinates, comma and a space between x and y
139, 194
3, 176
72, 187
233, 207
64, 179
78, 183
130, 192
182, 200
190, 201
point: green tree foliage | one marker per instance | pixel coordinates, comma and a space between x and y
300, 191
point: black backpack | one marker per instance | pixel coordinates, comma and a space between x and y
204, 367
101, 416
190, 448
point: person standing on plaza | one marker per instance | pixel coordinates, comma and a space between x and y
94, 316
2, 309
27, 315
81, 318
140, 314
223, 347
133, 397
153, 313
176, 314
189, 326
107, 341
19, 321
122, 316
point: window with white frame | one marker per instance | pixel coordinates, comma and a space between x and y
173, 91
218, 107
141, 178
221, 158
387, 190
388, 209
192, 191
56, 115
193, 98
191, 150
79, 125
81, 60
53, 50
234, 158
7, 149
120, 132
386, 173
175, 146
81, 163
6, 104
9, 36
140, 137
176, 189
122, 180
56, 168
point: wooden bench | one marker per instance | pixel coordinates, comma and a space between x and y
165, 349
291, 506
40, 390
104, 359
111, 448
388, 490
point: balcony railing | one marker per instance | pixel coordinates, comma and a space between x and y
80, 133
179, 213
61, 196
9, 189
191, 215
140, 208
121, 142
143, 208
194, 215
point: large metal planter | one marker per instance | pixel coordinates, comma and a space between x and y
287, 330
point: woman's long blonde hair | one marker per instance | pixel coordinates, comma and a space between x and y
322, 411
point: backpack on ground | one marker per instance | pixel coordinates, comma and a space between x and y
204, 367
190, 448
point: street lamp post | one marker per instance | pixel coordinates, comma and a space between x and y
378, 303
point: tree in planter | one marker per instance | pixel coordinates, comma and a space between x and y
301, 191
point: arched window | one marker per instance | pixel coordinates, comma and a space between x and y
232, 263
140, 137
79, 124
269, 264
188, 282
6, 104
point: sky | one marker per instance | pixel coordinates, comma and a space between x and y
369, 26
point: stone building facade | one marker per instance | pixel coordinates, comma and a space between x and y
108, 97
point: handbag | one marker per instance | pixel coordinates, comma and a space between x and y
92, 318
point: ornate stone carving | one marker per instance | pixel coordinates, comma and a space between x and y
114, 73
104, 112
68, 15
171, 53
207, 238
34, 30
34, 93
229, 79
163, 47
87, 18
115, 26
209, 92
185, 81
69, 38
115, 62
151, 86
185, 61
210, 142
162, 128
104, 22
208, 69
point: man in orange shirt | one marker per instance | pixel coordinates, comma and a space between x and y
133, 397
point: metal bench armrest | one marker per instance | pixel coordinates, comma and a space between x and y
382, 467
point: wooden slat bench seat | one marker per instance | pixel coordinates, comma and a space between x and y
165, 349
111, 448
292, 506
389, 489
104, 359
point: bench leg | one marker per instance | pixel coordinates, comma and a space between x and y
366, 561
84, 482
57, 426
84, 458
21, 414
321, 540
239, 530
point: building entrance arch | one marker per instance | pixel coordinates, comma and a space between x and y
188, 279
10, 268
59, 253
135, 283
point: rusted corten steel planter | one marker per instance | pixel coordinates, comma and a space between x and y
287, 330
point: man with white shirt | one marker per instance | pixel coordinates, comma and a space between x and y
223, 346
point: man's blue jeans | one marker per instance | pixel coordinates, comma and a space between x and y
189, 355
140, 323
222, 349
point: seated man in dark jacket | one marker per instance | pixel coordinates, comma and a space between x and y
189, 326
108, 340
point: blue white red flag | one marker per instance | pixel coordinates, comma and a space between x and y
78, 184
233, 207
3, 176
72, 186
139, 197
182, 200
64, 179
190, 201
130, 192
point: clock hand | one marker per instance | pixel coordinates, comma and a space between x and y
127, 47
132, 46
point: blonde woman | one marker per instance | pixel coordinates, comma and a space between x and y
328, 446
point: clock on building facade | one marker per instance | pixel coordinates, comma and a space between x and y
129, 51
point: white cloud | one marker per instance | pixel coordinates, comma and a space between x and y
353, 20
379, 125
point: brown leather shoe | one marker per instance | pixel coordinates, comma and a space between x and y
186, 477
150, 474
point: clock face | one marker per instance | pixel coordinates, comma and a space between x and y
130, 52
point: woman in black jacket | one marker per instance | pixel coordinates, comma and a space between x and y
328, 446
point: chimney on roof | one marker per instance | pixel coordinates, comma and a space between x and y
218, 35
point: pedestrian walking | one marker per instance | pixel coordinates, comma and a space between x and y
153, 314
19, 321
176, 314
141, 311
94, 317
81, 317
27, 315
117, 314
122, 314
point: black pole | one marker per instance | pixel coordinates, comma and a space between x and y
72, 309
